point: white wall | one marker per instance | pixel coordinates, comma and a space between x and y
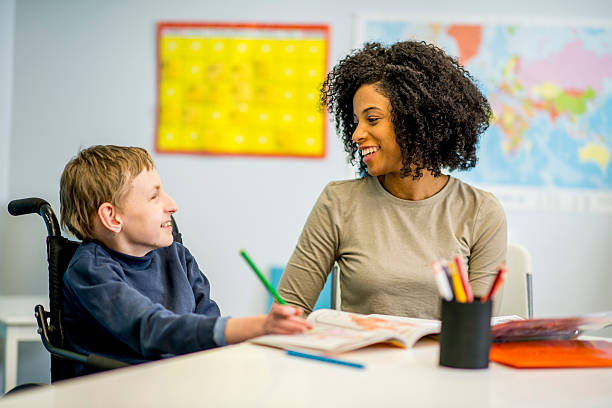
84, 73
7, 29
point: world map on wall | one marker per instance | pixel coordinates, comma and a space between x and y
550, 88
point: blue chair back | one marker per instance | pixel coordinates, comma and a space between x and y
325, 297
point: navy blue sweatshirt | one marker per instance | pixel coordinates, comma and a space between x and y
137, 308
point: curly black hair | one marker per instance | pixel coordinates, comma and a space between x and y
437, 110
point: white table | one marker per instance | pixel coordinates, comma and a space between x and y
247, 375
17, 323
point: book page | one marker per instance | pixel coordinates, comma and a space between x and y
410, 330
336, 331
327, 338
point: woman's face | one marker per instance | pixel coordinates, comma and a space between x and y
375, 134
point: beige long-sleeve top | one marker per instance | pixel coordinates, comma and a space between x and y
385, 246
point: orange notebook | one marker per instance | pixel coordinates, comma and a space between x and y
553, 353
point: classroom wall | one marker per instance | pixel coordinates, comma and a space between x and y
84, 73
7, 29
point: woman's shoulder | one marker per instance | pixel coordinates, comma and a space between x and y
348, 187
341, 192
475, 196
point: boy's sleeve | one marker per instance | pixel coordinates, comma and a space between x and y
132, 318
219, 331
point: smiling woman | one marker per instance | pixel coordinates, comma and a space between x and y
405, 113
374, 134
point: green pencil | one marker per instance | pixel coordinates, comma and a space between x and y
262, 278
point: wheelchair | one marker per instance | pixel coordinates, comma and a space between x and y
50, 323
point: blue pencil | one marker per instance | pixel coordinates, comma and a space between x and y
325, 359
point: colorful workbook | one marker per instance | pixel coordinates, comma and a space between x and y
336, 332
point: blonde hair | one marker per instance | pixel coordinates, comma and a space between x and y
97, 175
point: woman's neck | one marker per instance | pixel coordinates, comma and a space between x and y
408, 189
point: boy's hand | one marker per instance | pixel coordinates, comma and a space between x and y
280, 320
285, 320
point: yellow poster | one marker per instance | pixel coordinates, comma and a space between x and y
241, 89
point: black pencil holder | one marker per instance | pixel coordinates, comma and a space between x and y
465, 339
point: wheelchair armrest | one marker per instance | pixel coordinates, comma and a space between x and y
104, 363
43, 329
93, 360
41, 316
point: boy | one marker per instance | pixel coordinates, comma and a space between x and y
130, 292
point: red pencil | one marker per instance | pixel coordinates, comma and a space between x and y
499, 280
465, 280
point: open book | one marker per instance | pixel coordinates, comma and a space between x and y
336, 332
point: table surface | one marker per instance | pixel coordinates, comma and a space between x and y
248, 375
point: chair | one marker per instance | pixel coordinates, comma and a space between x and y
336, 299
517, 295
329, 298
50, 323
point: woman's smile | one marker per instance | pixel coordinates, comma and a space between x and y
368, 153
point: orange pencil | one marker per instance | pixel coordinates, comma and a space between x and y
499, 280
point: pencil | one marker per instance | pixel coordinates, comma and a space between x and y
324, 359
444, 264
442, 281
465, 280
262, 278
457, 285
499, 279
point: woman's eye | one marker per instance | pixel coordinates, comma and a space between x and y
372, 120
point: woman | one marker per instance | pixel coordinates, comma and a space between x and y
407, 112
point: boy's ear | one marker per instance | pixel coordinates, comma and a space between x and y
107, 213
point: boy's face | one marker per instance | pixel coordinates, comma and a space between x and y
145, 214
